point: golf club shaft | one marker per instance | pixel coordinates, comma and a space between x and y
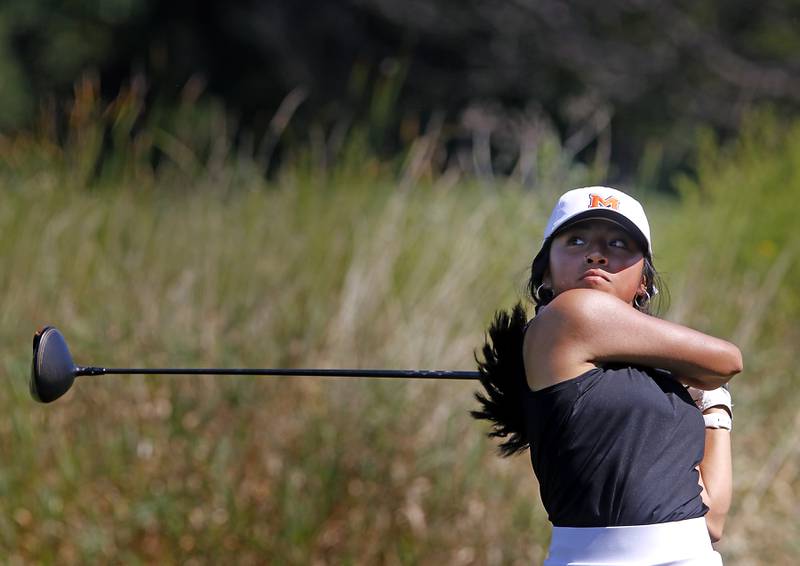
282, 372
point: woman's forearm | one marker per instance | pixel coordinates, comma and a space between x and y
717, 477
712, 363
730, 364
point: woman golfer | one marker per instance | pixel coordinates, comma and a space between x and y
625, 415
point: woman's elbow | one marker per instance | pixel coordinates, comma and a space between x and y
737, 364
715, 523
731, 363
715, 529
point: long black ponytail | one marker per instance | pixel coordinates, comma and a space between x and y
502, 374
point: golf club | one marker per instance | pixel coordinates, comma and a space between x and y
53, 371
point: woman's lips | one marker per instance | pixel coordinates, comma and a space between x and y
595, 274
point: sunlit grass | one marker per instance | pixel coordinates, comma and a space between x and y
355, 266
273, 276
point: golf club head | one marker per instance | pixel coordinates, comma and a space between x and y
52, 370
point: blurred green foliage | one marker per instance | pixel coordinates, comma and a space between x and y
171, 248
46, 45
631, 79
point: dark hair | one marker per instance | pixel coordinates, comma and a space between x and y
502, 375
502, 371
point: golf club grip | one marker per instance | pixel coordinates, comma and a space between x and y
283, 372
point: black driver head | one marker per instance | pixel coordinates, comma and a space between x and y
53, 370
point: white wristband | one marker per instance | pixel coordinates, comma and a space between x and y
718, 420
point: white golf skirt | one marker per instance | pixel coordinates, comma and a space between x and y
680, 543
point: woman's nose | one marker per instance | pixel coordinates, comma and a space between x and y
596, 257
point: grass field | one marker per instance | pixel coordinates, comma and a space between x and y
203, 262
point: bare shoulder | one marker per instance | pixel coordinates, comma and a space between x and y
557, 343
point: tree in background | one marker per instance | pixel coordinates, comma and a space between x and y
624, 77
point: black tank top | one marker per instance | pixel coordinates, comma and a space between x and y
616, 446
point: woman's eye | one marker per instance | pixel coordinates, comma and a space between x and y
618, 243
574, 240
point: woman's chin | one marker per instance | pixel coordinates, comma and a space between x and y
594, 282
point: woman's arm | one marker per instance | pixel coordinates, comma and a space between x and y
583, 327
716, 477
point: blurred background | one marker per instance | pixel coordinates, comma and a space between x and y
363, 183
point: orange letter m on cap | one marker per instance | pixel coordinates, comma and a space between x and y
596, 201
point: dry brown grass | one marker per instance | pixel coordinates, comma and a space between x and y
346, 271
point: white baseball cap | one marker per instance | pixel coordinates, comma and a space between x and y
600, 202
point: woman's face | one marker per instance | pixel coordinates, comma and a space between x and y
596, 254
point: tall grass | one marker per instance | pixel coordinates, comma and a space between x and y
200, 261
